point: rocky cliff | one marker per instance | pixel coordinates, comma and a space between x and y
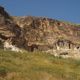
40, 33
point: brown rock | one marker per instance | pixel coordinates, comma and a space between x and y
37, 32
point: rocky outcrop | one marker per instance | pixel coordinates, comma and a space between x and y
8, 29
39, 33
44, 31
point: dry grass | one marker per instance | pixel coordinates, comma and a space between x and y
37, 66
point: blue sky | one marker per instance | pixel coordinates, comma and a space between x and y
67, 10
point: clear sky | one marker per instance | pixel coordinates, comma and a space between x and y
67, 10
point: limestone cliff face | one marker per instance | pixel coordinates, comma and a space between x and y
38, 33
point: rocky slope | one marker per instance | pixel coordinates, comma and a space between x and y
38, 33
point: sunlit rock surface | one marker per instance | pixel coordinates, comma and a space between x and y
40, 34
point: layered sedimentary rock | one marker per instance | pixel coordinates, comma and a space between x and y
8, 29
39, 33
45, 31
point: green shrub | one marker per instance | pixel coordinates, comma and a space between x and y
3, 72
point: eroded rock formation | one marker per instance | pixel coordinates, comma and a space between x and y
39, 33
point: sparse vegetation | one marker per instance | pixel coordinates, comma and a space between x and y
37, 66
71, 23
3, 71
